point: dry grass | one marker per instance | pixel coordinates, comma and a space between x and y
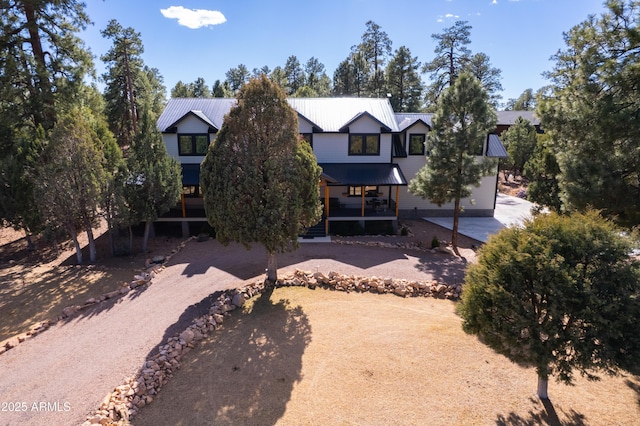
37, 286
318, 357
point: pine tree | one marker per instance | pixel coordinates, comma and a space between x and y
259, 179
124, 79
403, 81
153, 178
591, 114
520, 142
461, 124
559, 295
71, 177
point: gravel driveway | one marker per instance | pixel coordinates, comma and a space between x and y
62, 375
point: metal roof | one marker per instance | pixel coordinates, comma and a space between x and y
211, 110
364, 174
508, 118
407, 119
332, 114
327, 114
495, 148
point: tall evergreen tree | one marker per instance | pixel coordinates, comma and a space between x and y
295, 75
542, 171
376, 49
453, 57
42, 58
461, 124
123, 79
403, 81
237, 76
352, 76
452, 54
42, 63
71, 176
153, 178
525, 102
592, 114
260, 180
221, 90
480, 67
520, 142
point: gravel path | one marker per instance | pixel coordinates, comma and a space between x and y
63, 374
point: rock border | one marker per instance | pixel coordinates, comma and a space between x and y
153, 266
125, 401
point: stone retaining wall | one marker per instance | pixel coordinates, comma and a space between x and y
124, 402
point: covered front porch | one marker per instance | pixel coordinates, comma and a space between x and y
360, 192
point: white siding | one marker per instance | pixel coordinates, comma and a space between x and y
482, 197
190, 124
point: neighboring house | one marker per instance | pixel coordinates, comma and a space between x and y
507, 119
367, 152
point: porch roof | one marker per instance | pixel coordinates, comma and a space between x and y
364, 174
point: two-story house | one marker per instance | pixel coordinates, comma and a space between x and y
368, 154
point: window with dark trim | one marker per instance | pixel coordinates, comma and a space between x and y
364, 144
308, 137
193, 144
416, 143
369, 191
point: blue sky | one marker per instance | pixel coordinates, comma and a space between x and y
187, 39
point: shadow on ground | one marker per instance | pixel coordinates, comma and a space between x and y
243, 373
546, 415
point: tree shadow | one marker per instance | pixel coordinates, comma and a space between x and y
446, 268
634, 385
545, 415
244, 373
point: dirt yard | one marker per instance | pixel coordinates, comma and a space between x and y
304, 357
317, 357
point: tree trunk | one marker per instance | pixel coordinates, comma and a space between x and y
272, 267
92, 245
145, 238
543, 383
456, 219
76, 244
130, 240
27, 237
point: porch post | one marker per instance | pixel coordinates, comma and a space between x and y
397, 199
326, 209
362, 191
326, 201
184, 209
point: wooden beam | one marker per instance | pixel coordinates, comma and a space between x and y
397, 199
362, 191
184, 208
326, 201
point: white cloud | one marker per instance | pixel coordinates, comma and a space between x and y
194, 18
494, 2
451, 15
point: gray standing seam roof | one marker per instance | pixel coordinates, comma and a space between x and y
359, 174
495, 148
508, 118
327, 114
211, 110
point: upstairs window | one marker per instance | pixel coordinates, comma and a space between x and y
416, 144
363, 144
193, 144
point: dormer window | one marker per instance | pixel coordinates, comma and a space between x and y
364, 144
193, 144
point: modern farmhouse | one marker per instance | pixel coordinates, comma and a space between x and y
368, 154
